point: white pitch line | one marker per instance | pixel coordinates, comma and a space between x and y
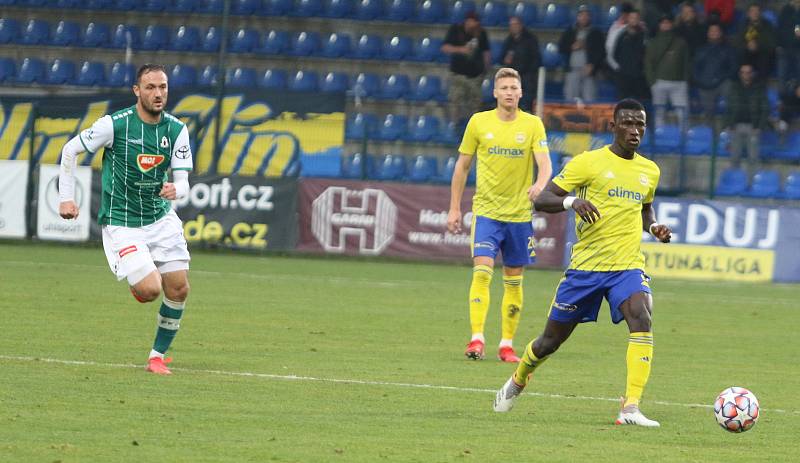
352, 381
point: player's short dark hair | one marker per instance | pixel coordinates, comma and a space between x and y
628, 103
149, 67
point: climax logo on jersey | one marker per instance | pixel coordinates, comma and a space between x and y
619, 192
147, 162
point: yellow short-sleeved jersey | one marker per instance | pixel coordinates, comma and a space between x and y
505, 163
617, 187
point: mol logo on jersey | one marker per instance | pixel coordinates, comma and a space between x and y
147, 162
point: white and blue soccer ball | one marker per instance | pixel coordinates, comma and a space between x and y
736, 409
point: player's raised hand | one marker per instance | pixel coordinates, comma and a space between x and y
661, 233
68, 210
454, 221
586, 210
168, 191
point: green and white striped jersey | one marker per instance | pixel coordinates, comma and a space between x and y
135, 162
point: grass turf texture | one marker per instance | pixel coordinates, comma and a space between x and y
382, 329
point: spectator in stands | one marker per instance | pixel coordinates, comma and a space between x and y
756, 42
789, 106
720, 12
470, 58
789, 43
629, 53
654, 10
714, 67
521, 53
689, 26
613, 34
747, 115
667, 67
584, 54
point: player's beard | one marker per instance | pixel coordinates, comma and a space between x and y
150, 109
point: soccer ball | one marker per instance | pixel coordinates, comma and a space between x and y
736, 409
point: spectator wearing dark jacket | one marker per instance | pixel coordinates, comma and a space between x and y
689, 26
747, 115
629, 53
668, 68
583, 48
468, 46
789, 106
521, 52
756, 42
714, 66
789, 43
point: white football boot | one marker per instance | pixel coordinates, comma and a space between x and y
504, 400
632, 415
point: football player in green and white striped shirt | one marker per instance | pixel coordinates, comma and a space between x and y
142, 236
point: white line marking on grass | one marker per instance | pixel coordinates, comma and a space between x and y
363, 382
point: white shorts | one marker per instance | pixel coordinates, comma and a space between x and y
135, 252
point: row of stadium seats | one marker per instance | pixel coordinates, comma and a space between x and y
493, 12
66, 72
387, 167
765, 184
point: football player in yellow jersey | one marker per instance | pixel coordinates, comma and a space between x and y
615, 188
506, 142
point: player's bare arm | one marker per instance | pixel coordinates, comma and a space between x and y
552, 199
457, 184
660, 231
544, 170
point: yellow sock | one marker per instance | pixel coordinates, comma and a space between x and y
512, 305
479, 297
639, 358
527, 364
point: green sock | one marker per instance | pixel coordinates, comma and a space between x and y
169, 320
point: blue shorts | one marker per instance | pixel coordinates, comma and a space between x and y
580, 293
513, 239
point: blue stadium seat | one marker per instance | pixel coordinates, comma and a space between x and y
422, 169
8, 70
98, 4
154, 6
211, 40
274, 43
732, 182
495, 13
35, 32
791, 188
608, 16
788, 150
210, 6
123, 75
369, 9
766, 184
125, 35
393, 127
96, 35
338, 8
304, 81
31, 71
185, 6
243, 41
185, 38
450, 134
668, 139
305, 44
182, 75
337, 46
769, 141
307, 9
698, 140
397, 48
428, 49
334, 82
353, 166
770, 16
367, 47
551, 58
92, 73
245, 7
275, 79
395, 86
388, 167
361, 125
155, 38
445, 174
606, 91
60, 72
431, 11
208, 76
487, 90
123, 5
278, 7
459, 9
428, 88
9, 30
366, 85
241, 77
555, 16
67, 34
423, 128
67, 4
526, 12
400, 10
495, 51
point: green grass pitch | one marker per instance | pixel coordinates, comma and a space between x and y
297, 359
